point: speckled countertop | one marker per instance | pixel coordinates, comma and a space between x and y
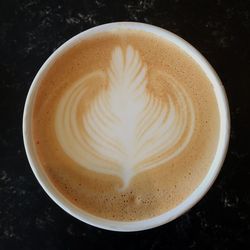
31, 30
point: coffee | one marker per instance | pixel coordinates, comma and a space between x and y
125, 125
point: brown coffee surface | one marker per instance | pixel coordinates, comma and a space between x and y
125, 125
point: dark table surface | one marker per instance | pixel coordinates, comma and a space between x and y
31, 30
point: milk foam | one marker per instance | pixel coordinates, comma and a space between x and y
127, 129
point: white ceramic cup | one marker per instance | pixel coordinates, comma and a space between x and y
192, 199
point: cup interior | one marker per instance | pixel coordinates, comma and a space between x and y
191, 200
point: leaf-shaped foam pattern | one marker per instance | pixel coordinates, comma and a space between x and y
125, 129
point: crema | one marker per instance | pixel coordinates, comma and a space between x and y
125, 124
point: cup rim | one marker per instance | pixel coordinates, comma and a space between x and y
200, 190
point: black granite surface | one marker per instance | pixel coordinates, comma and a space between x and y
31, 30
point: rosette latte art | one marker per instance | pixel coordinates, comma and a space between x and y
125, 129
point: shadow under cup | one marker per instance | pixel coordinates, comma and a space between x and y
202, 188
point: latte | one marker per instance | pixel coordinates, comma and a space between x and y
125, 125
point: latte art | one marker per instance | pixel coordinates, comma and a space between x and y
126, 129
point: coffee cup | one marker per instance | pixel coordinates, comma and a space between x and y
180, 106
